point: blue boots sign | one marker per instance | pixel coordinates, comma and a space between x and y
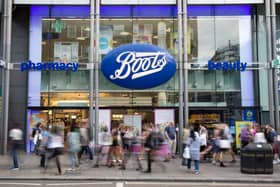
138, 66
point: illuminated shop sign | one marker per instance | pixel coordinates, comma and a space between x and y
49, 66
138, 66
227, 66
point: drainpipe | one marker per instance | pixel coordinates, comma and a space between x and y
97, 19
7, 37
185, 40
91, 71
180, 58
269, 59
275, 77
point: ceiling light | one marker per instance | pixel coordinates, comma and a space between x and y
125, 33
80, 38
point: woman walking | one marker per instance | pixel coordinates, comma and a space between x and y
194, 145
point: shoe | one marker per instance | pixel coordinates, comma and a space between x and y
110, 166
122, 168
275, 162
197, 173
70, 169
95, 166
222, 165
233, 161
138, 169
14, 169
147, 171
214, 162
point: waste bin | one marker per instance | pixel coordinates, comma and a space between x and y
257, 158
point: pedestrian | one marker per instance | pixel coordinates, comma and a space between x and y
115, 150
133, 147
73, 139
203, 135
216, 144
194, 145
170, 135
153, 141
186, 135
84, 137
34, 132
37, 139
16, 138
245, 136
271, 137
43, 145
56, 147
228, 136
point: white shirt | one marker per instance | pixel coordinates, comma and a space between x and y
56, 141
15, 134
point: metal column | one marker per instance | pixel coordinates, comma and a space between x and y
91, 61
7, 37
275, 76
181, 87
97, 19
269, 59
185, 59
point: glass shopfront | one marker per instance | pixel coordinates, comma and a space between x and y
215, 33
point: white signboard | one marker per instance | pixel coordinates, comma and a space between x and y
134, 121
224, 1
104, 137
58, 2
104, 120
163, 117
137, 2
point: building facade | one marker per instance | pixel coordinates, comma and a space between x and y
213, 32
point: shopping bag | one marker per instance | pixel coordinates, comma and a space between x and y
186, 153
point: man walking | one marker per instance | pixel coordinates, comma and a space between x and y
16, 137
170, 134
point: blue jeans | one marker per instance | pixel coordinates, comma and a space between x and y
72, 159
14, 155
196, 164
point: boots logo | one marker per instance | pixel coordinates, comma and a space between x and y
138, 66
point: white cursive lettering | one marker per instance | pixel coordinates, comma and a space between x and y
140, 64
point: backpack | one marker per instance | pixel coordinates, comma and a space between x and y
270, 137
154, 140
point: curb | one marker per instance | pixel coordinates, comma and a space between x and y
154, 179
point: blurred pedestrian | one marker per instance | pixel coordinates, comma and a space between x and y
271, 136
153, 141
228, 136
16, 138
115, 150
245, 136
56, 147
84, 137
216, 144
43, 145
73, 139
133, 148
186, 136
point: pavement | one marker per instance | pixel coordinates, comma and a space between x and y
161, 171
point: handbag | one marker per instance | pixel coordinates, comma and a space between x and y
186, 153
225, 144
